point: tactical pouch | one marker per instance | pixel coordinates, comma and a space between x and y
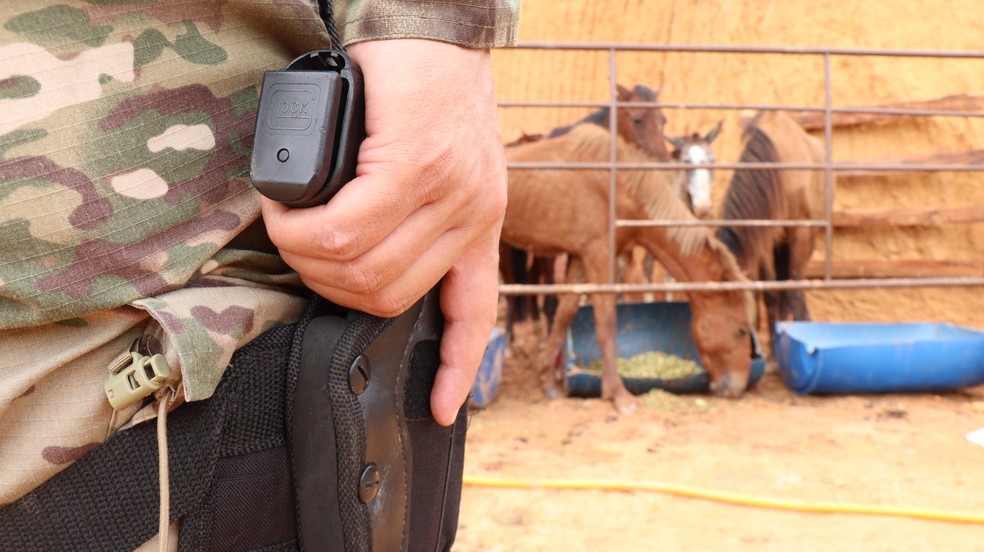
319, 437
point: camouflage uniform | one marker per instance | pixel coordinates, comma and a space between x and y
125, 202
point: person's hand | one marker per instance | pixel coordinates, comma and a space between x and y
427, 203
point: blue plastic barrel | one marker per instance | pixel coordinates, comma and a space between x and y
834, 358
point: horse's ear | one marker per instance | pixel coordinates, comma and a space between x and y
745, 118
677, 141
714, 132
623, 92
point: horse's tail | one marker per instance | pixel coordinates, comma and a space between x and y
755, 194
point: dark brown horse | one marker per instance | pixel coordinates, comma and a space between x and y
775, 253
552, 212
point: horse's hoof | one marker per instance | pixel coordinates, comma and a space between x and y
625, 403
552, 393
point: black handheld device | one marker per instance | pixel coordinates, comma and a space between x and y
309, 125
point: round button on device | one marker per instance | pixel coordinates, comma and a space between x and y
283, 155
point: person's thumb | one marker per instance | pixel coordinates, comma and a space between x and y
469, 298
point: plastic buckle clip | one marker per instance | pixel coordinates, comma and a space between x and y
129, 383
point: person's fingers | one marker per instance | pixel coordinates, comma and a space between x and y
469, 298
423, 272
360, 215
381, 265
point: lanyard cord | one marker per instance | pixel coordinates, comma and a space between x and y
325, 11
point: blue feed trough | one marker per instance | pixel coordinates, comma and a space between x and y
490, 371
829, 358
642, 327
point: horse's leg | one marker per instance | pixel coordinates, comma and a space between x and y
635, 272
558, 274
767, 272
612, 386
519, 259
781, 256
800, 250
547, 277
551, 370
535, 277
508, 277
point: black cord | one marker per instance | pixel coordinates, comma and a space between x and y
325, 11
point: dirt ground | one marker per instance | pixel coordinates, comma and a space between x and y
904, 451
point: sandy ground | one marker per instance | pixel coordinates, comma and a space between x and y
905, 451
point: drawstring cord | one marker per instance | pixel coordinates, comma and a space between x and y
163, 471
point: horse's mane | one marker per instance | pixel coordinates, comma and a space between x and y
599, 117
755, 194
652, 188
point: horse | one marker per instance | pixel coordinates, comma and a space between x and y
642, 126
553, 212
696, 150
775, 253
695, 191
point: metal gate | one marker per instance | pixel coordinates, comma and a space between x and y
972, 275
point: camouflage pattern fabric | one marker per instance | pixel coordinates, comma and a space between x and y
473, 23
125, 202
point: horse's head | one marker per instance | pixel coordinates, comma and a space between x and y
724, 341
642, 126
696, 149
722, 330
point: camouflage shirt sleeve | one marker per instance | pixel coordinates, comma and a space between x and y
471, 23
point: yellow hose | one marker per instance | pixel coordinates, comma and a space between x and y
729, 498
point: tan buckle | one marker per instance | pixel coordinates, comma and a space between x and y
134, 376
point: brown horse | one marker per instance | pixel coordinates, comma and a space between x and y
775, 253
641, 126
551, 212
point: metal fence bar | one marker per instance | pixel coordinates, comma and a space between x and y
828, 166
806, 285
757, 107
724, 49
650, 223
613, 164
828, 173
655, 165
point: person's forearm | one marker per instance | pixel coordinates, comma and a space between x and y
470, 23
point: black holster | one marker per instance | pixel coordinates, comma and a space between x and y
319, 437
